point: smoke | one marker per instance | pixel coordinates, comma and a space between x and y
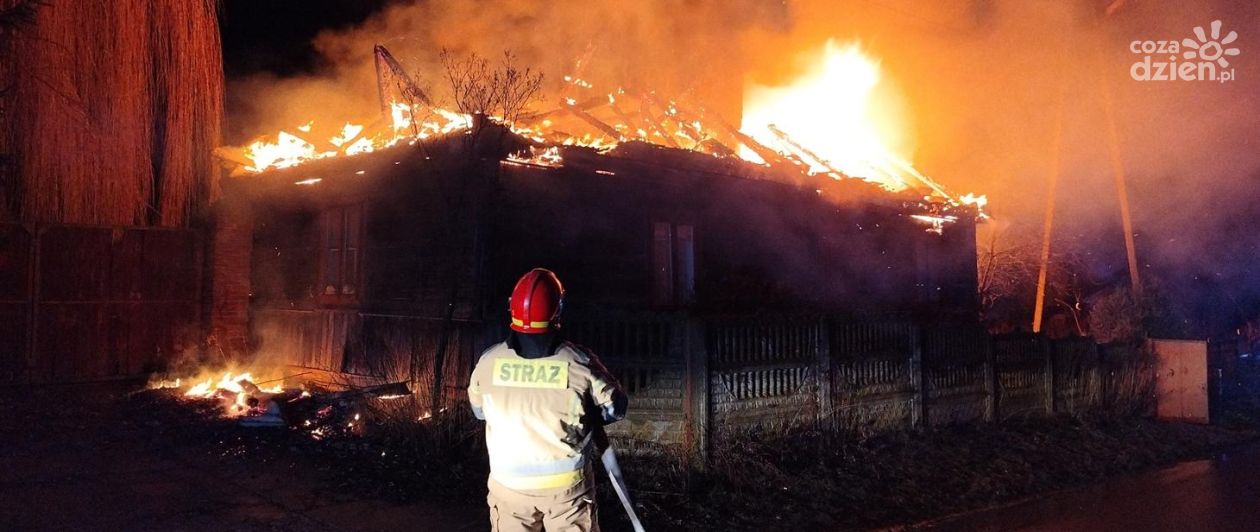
985, 83
677, 48
982, 84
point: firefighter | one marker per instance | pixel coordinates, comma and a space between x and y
544, 401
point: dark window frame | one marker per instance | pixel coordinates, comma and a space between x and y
342, 234
673, 264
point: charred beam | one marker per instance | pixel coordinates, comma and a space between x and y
599, 124
806, 152
710, 136
645, 109
768, 155
625, 118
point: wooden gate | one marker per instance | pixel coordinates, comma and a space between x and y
82, 303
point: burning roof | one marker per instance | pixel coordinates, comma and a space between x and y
815, 133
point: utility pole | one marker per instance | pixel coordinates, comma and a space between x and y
1056, 166
1117, 164
1122, 192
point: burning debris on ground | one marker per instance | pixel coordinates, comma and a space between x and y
372, 441
311, 409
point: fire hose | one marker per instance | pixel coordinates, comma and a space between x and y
609, 458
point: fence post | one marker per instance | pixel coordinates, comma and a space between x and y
826, 417
1048, 351
31, 354
918, 414
1095, 397
990, 381
697, 387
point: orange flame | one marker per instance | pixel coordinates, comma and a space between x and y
829, 117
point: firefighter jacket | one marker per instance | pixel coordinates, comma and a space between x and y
541, 413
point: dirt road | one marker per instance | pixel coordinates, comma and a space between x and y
1218, 494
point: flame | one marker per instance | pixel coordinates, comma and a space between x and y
549, 157
935, 222
348, 133
399, 115
230, 382
286, 151
977, 201
233, 389
829, 118
405, 124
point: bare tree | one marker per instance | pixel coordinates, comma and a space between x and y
1003, 271
500, 91
1007, 270
1067, 287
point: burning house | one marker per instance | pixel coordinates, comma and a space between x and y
387, 251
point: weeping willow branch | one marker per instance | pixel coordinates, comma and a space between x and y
113, 110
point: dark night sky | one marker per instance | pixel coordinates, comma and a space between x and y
275, 35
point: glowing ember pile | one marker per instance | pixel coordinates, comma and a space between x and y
320, 414
239, 394
549, 157
828, 122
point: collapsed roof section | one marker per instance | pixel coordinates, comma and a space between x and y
624, 132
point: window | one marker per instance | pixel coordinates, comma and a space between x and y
673, 264
341, 230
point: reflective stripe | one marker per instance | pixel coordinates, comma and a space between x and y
505, 466
540, 482
532, 325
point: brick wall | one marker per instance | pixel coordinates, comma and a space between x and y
228, 266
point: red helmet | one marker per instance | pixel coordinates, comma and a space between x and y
536, 302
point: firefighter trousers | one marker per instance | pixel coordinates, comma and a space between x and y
565, 510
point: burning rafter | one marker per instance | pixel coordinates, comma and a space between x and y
600, 125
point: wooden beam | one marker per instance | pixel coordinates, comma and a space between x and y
599, 124
645, 109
